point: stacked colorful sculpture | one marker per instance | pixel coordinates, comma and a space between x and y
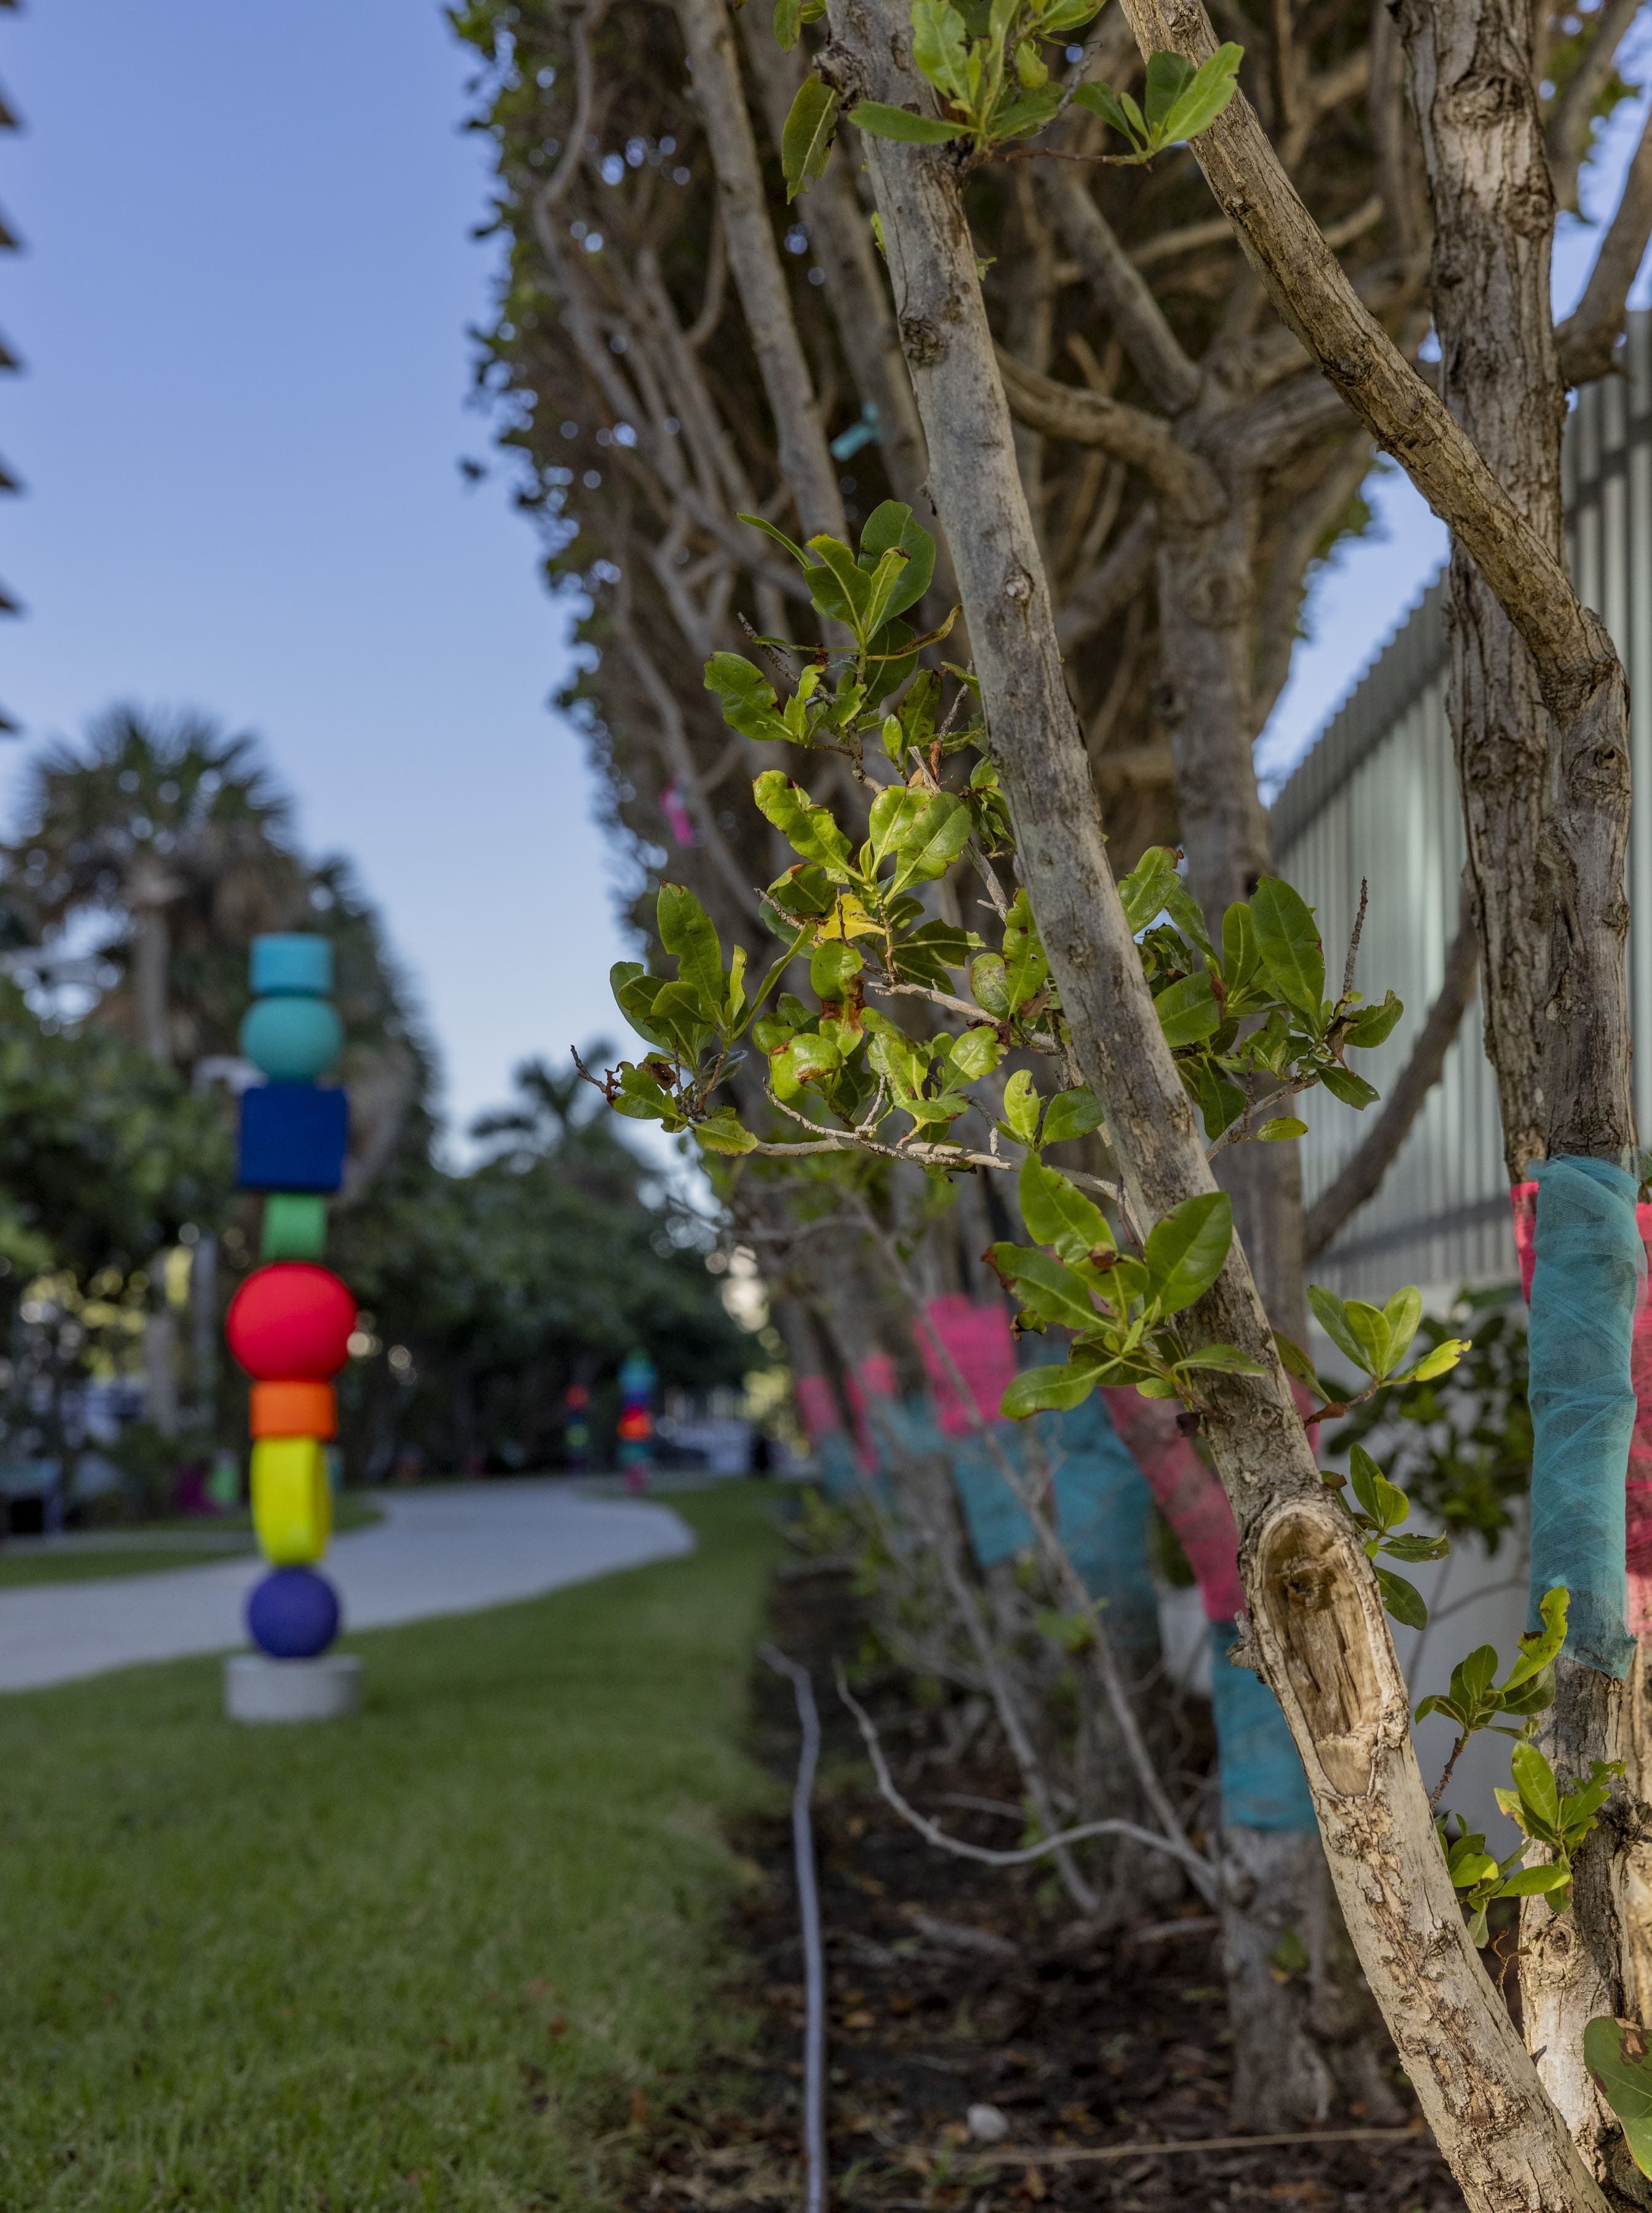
637, 1377
291, 1323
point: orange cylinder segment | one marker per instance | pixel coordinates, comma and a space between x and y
295, 1409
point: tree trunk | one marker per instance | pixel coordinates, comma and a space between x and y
1285, 2069
151, 957
1545, 870
1320, 1637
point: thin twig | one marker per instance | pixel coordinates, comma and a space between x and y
1353, 943
809, 1904
1439, 1790
934, 1834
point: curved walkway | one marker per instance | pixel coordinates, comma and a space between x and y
453, 1551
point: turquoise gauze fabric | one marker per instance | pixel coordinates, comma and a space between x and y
1262, 1785
1103, 1509
1589, 1259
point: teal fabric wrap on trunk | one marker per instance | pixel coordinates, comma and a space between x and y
1103, 1511
1589, 1259
1262, 1785
835, 1457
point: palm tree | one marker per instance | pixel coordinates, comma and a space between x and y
168, 840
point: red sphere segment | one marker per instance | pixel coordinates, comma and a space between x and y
291, 1321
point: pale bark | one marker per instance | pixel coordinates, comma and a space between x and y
804, 461
1545, 851
1321, 1637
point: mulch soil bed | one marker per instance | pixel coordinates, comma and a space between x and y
953, 1985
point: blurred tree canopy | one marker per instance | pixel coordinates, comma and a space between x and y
160, 849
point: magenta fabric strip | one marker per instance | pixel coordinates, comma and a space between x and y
1194, 1502
817, 1405
983, 1347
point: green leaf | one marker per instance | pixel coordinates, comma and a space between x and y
1534, 1780
833, 969
1101, 100
642, 1098
806, 141
924, 955
1369, 1330
1071, 1114
1048, 1289
1342, 1083
761, 522
1615, 2053
1295, 1362
990, 981
1283, 1126
688, 934
1021, 1100
1228, 1358
1417, 1548
975, 1054
891, 528
1144, 889
1331, 1316
1402, 1313
1371, 1028
1168, 76
807, 829
1532, 1882
723, 1132
788, 23
1470, 1679
1047, 1390
1381, 1500
1188, 1011
929, 845
1184, 1251
1440, 1362
1028, 113
747, 697
634, 991
1289, 946
1240, 957
940, 48
894, 811
1537, 1647
1403, 1599
807, 1058
899, 123
1057, 1213
1213, 86
840, 587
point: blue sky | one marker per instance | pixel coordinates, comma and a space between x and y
243, 309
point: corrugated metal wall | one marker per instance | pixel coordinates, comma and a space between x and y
1377, 797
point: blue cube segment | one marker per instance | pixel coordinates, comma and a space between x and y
292, 961
294, 1137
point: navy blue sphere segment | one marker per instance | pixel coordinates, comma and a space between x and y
293, 1614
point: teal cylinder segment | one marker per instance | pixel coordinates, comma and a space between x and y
292, 1040
1262, 1785
292, 960
1584, 1289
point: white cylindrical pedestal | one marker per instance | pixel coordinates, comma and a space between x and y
257, 1688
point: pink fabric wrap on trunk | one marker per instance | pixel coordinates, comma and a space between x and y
1194, 1502
817, 1407
983, 1347
1638, 1480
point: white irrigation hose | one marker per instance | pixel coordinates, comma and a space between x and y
808, 1904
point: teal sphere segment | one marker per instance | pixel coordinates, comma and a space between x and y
294, 1039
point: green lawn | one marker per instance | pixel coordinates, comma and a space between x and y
420, 1959
144, 1550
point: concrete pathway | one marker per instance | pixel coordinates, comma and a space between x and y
452, 1550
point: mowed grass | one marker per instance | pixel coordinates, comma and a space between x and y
425, 1958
